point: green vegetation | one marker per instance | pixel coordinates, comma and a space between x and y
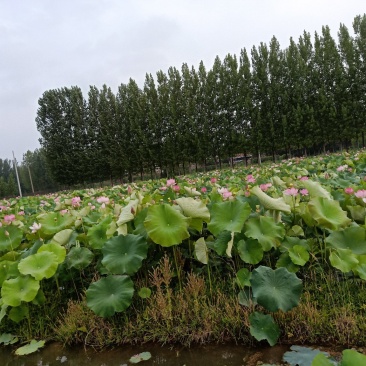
273, 253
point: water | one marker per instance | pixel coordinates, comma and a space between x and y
210, 355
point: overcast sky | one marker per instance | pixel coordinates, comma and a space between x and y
50, 44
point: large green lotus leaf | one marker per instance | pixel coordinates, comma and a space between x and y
263, 327
18, 313
54, 222
328, 213
109, 295
194, 208
97, 234
301, 356
265, 230
128, 212
229, 216
40, 265
352, 238
343, 259
276, 289
291, 241
33, 346
16, 290
245, 297
299, 255
222, 241
315, 189
200, 250
351, 357
8, 269
270, 203
250, 251
10, 237
285, 261
62, 237
58, 250
165, 225
92, 218
124, 254
79, 257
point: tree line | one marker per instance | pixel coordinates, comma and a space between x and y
269, 102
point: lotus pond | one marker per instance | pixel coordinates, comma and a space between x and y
268, 254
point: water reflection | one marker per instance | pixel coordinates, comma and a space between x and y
211, 355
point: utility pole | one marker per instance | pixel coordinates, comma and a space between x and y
16, 172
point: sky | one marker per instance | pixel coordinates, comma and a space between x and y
48, 44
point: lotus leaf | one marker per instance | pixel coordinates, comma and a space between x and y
343, 259
40, 265
315, 189
4, 307
58, 250
8, 269
285, 261
165, 225
229, 216
16, 290
124, 254
139, 223
33, 346
143, 356
128, 212
194, 208
245, 297
7, 339
54, 222
109, 295
301, 356
351, 357
10, 237
250, 251
276, 289
265, 230
144, 293
62, 237
299, 255
18, 313
328, 214
322, 360
243, 277
357, 213
270, 203
97, 234
352, 238
221, 242
263, 327
79, 257
201, 251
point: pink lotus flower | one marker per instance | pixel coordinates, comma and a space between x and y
342, 168
265, 187
9, 218
348, 190
361, 193
75, 201
203, 189
21, 213
62, 212
103, 199
304, 178
35, 227
304, 192
291, 192
225, 193
163, 188
176, 188
250, 179
170, 182
213, 180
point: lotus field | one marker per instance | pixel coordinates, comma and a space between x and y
263, 226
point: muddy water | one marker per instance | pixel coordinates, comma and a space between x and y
211, 355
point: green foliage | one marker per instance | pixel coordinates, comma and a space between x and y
263, 327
